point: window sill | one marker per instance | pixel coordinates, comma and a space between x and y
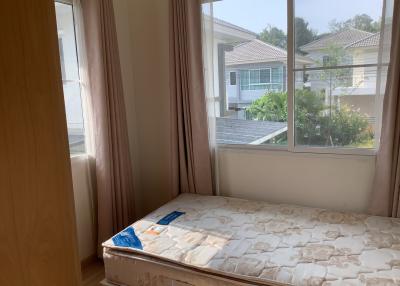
319, 151
78, 156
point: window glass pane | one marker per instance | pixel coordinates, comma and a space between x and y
244, 80
336, 96
254, 76
277, 75
336, 108
338, 32
265, 76
73, 108
70, 75
232, 78
253, 34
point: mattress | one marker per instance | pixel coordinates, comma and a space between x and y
256, 243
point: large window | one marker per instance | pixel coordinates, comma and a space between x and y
70, 77
310, 73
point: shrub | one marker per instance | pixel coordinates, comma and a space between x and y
270, 107
315, 124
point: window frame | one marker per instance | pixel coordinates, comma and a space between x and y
78, 81
291, 147
249, 85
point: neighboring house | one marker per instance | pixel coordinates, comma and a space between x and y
225, 35
229, 129
364, 85
254, 68
355, 87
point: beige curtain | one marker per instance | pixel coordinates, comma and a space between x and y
386, 193
115, 199
191, 157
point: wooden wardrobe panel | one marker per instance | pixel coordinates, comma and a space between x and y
38, 244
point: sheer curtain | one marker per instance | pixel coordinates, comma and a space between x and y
209, 62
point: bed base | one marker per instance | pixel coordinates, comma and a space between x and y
133, 269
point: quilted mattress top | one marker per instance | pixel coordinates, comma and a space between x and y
266, 242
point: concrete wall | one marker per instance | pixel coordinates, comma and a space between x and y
365, 103
338, 182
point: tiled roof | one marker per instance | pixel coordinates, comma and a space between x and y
239, 131
232, 26
370, 41
257, 51
342, 38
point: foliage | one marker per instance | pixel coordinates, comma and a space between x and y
277, 37
314, 124
271, 107
274, 36
362, 22
336, 56
304, 34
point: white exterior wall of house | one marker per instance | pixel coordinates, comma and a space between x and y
223, 33
237, 96
361, 95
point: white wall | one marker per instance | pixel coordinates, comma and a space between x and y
338, 182
142, 30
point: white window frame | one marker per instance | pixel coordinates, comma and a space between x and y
259, 77
79, 81
290, 70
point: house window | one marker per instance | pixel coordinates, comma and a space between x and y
70, 77
307, 83
232, 78
325, 60
255, 79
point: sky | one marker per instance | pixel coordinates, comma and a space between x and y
255, 15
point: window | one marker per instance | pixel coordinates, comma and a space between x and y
325, 60
337, 107
70, 77
255, 79
232, 78
311, 73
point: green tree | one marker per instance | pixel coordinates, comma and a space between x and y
274, 36
362, 22
304, 34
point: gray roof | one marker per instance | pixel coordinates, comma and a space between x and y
342, 38
257, 51
370, 41
239, 131
232, 26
